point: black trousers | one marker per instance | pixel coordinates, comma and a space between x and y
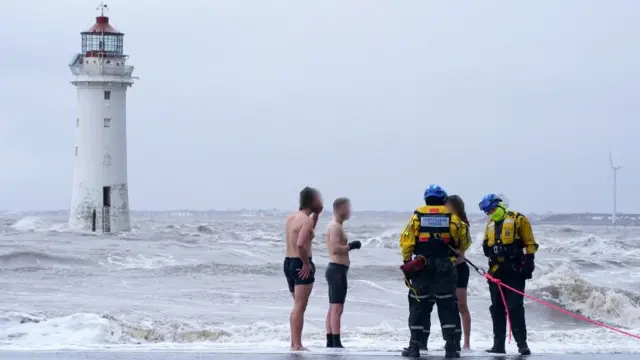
436, 285
515, 304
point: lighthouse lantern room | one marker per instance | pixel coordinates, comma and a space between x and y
100, 194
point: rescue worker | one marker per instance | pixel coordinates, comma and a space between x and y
426, 244
510, 246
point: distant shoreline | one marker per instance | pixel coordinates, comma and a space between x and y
277, 211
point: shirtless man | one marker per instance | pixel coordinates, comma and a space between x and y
298, 267
336, 273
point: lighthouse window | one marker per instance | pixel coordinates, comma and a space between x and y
107, 160
107, 95
107, 122
78, 122
76, 151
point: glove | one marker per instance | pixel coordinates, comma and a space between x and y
413, 266
528, 265
488, 251
355, 245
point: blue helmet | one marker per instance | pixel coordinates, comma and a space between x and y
489, 202
435, 191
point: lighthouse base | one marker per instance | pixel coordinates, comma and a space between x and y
102, 210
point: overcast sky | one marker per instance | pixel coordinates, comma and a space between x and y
242, 103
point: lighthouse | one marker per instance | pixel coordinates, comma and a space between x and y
100, 194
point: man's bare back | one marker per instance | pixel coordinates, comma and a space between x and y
337, 236
294, 224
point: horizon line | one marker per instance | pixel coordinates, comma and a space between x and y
327, 211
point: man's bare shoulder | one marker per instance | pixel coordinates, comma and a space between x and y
290, 218
297, 218
334, 225
335, 228
290, 222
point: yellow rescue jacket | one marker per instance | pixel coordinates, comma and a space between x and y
465, 244
433, 227
505, 240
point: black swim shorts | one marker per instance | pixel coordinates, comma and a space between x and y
463, 275
336, 276
291, 268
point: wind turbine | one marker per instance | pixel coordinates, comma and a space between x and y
614, 171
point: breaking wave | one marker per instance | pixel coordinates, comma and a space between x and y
88, 330
39, 260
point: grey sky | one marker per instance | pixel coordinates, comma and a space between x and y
242, 103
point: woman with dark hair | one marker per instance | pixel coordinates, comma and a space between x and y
456, 206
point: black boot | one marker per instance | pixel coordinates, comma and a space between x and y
413, 351
457, 345
423, 341
498, 346
523, 348
336, 341
450, 351
329, 340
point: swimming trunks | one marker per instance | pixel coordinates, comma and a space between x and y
336, 276
291, 267
463, 275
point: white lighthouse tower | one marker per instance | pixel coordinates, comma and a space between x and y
100, 196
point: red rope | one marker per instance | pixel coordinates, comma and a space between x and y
504, 302
549, 305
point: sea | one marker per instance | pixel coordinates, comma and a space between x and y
212, 282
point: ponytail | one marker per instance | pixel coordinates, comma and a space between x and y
463, 216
